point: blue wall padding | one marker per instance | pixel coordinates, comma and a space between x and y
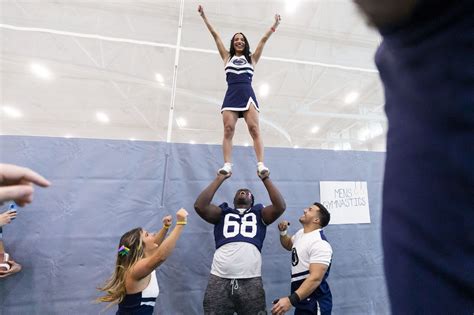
67, 239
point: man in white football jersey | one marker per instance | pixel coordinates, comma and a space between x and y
311, 260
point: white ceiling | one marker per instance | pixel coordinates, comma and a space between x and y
104, 55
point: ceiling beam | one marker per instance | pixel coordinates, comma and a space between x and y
171, 46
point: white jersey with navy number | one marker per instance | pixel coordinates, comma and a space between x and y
238, 70
141, 303
310, 248
239, 239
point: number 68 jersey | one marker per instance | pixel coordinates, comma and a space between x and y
235, 227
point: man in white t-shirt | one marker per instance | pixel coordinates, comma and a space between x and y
311, 260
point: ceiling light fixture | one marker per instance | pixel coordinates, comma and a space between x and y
12, 112
291, 5
102, 117
181, 122
41, 71
264, 89
351, 97
159, 78
315, 129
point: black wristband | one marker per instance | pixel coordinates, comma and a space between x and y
294, 299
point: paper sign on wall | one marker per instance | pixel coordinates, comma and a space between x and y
348, 202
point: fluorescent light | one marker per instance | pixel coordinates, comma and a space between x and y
102, 117
41, 71
264, 89
290, 6
12, 112
159, 78
351, 97
181, 122
315, 129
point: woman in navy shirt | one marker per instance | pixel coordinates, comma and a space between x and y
133, 285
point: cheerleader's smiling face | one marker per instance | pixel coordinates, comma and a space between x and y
239, 43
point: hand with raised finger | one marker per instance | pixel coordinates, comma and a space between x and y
16, 183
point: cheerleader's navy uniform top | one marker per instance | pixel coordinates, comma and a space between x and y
240, 95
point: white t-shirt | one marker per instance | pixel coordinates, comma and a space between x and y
308, 248
237, 260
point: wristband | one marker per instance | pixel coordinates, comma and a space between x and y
166, 226
294, 299
283, 233
273, 29
181, 223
